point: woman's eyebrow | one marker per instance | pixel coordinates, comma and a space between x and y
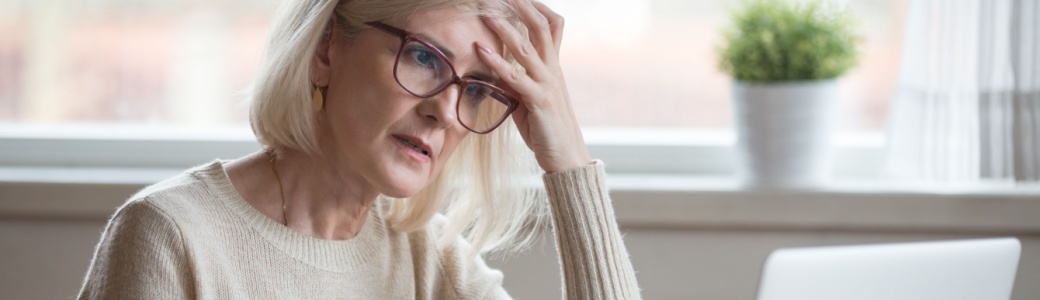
450, 55
483, 76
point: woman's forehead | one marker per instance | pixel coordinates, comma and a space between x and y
453, 29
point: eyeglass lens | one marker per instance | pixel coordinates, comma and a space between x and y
423, 71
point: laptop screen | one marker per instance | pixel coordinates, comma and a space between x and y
965, 269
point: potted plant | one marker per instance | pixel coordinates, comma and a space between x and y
785, 57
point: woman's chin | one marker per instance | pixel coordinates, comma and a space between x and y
399, 194
405, 182
404, 188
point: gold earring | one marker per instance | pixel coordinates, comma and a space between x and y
317, 100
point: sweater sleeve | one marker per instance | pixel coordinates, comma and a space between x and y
140, 256
593, 258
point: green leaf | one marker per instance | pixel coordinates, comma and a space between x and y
783, 40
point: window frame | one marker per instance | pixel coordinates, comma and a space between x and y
680, 152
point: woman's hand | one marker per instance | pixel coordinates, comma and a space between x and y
545, 116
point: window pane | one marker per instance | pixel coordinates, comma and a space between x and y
630, 63
653, 63
162, 62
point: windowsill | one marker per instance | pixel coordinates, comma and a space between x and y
641, 201
720, 203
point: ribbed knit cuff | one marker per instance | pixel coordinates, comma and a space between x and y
593, 257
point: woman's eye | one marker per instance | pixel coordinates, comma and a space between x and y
424, 57
476, 92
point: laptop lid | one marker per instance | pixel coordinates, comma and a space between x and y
964, 269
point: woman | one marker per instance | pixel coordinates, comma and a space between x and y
375, 117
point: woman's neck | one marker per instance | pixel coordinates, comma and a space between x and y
322, 198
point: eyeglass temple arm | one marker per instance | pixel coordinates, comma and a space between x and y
389, 29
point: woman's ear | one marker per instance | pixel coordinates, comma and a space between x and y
320, 64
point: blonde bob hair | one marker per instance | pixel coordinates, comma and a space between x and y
487, 190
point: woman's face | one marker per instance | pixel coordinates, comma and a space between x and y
374, 129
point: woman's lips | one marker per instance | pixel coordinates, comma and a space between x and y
414, 147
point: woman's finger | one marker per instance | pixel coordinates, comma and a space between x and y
538, 28
515, 77
521, 48
555, 23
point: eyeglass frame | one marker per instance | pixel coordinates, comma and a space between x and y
406, 36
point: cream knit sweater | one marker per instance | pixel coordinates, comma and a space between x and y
194, 237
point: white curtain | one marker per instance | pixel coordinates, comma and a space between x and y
967, 107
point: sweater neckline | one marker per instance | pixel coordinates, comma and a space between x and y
331, 255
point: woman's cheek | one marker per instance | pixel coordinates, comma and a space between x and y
451, 142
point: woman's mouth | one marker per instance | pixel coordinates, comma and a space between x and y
414, 147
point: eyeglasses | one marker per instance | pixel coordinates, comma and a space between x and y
424, 71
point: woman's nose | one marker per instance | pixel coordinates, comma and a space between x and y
440, 108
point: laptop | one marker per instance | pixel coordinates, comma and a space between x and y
947, 270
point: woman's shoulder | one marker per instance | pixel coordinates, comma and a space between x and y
450, 261
422, 241
190, 180
176, 196
435, 240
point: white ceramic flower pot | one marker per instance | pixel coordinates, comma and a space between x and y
784, 133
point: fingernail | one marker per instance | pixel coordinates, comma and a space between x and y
493, 21
483, 49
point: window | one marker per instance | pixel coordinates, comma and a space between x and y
129, 61
633, 66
